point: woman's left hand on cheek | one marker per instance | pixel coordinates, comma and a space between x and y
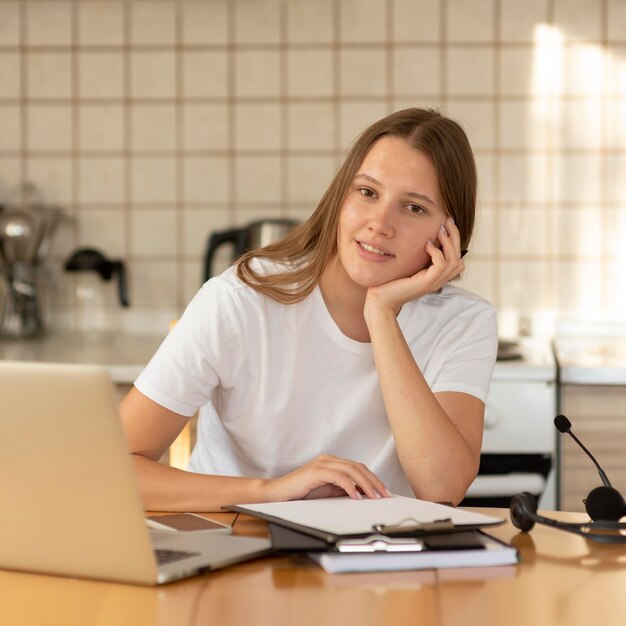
445, 265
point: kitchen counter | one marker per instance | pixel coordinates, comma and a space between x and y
591, 360
123, 356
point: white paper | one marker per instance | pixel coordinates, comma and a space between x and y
345, 516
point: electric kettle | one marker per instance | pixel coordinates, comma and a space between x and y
94, 304
254, 235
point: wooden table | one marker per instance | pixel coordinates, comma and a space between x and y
562, 580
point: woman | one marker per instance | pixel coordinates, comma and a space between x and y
338, 360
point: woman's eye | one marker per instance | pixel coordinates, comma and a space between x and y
364, 191
416, 208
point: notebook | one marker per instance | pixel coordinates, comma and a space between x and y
70, 502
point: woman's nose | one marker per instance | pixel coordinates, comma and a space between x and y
381, 220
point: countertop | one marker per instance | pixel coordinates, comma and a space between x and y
123, 356
591, 360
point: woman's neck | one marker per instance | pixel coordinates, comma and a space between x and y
344, 300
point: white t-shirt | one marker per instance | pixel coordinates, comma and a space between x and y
278, 385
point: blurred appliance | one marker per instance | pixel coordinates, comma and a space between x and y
519, 451
255, 235
27, 228
95, 294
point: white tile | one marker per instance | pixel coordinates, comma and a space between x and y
153, 75
101, 74
10, 127
54, 177
49, 74
525, 179
579, 19
205, 22
153, 232
477, 120
579, 286
478, 277
257, 73
153, 127
470, 20
579, 232
257, 126
10, 23
616, 180
101, 180
10, 174
153, 284
49, 128
517, 70
10, 76
616, 70
310, 22
363, 72
257, 21
578, 178
49, 22
310, 73
416, 21
416, 71
612, 224
580, 124
205, 126
615, 298
153, 180
470, 71
519, 18
585, 70
527, 124
308, 177
616, 20
311, 126
198, 224
616, 123
206, 180
205, 74
363, 21
101, 127
355, 117
524, 231
152, 22
101, 22
104, 229
525, 285
192, 278
258, 179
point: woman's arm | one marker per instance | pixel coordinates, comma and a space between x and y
150, 430
438, 437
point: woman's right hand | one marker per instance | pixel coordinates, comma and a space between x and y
325, 477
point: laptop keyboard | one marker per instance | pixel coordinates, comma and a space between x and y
164, 557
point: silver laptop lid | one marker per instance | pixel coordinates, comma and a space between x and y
70, 501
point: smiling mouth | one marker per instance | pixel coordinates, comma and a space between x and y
369, 248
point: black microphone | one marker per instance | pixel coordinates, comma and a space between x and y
603, 503
563, 425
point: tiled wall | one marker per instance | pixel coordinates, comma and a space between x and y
154, 122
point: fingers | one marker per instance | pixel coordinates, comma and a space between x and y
446, 260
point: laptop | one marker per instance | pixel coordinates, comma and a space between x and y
70, 501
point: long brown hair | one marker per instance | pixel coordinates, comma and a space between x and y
306, 250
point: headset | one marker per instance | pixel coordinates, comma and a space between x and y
604, 505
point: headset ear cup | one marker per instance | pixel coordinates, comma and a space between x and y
523, 509
605, 504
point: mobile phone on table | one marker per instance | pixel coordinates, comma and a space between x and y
188, 522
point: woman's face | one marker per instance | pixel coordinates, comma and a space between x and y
392, 208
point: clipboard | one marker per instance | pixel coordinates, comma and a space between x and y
320, 524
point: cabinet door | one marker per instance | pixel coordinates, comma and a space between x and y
599, 420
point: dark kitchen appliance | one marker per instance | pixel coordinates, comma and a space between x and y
255, 235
